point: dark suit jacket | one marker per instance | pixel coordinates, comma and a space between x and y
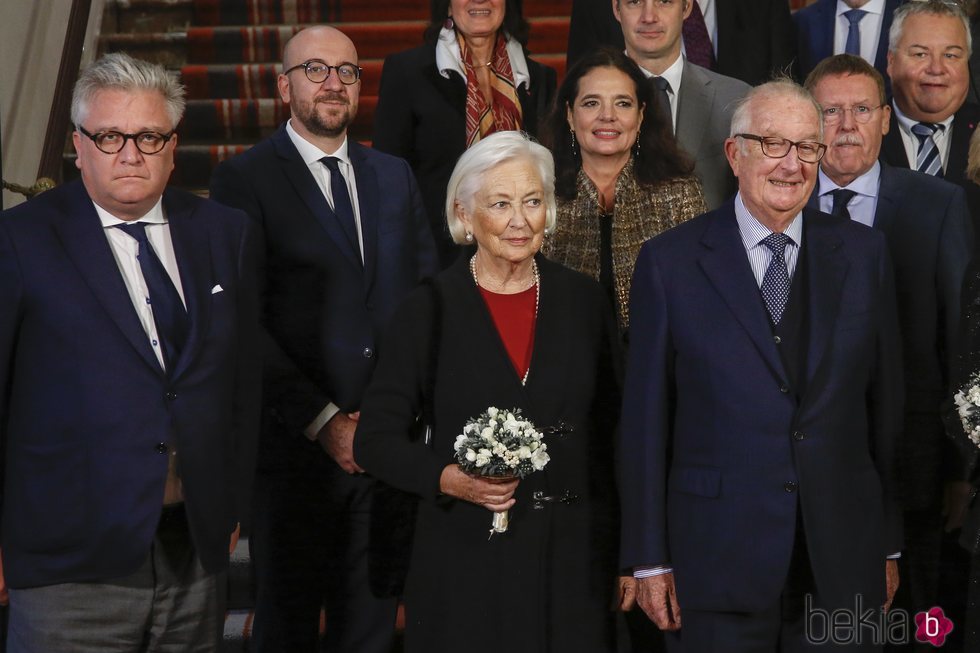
322, 311
815, 35
930, 238
421, 117
755, 39
86, 405
705, 104
561, 557
964, 123
711, 438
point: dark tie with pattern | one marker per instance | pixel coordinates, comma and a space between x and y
841, 198
342, 206
928, 159
661, 86
853, 44
697, 41
775, 282
169, 313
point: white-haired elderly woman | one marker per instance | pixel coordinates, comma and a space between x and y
507, 328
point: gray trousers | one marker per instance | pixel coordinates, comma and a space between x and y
171, 604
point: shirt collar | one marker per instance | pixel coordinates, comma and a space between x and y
309, 152
866, 184
906, 123
872, 7
153, 216
754, 232
673, 74
449, 58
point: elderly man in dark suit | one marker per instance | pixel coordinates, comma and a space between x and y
829, 27
699, 101
931, 125
927, 225
128, 386
346, 239
750, 41
762, 404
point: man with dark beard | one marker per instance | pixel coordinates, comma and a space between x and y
346, 238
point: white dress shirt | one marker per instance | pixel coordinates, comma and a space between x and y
943, 137
870, 27
863, 205
311, 155
673, 75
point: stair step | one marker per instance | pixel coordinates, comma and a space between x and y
238, 121
254, 45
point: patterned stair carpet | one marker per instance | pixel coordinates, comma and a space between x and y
228, 52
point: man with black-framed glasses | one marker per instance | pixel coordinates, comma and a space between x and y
762, 404
347, 238
129, 383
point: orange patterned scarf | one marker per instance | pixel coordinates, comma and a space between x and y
504, 113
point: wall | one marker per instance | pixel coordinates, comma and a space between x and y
32, 34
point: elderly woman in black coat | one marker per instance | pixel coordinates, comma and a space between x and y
505, 328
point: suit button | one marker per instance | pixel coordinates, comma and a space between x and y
798, 435
777, 339
162, 447
784, 388
368, 352
790, 486
171, 396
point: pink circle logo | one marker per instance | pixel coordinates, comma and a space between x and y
932, 626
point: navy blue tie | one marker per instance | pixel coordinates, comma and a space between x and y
169, 313
342, 206
853, 44
841, 198
775, 282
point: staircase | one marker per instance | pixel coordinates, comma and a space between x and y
228, 53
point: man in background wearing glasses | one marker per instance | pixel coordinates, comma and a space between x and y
762, 403
927, 224
128, 384
346, 239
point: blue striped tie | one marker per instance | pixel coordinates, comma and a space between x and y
928, 159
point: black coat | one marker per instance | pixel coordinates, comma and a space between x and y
421, 117
545, 584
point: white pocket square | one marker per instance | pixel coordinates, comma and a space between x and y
217, 289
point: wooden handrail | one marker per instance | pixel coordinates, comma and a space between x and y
71, 58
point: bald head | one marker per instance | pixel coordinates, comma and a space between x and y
309, 38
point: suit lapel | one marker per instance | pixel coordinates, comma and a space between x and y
302, 180
84, 240
881, 56
826, 18
192, 250
694, 106
892, 147
889, 200
452, 89
727, 268
368, 193
551, 351
827, 269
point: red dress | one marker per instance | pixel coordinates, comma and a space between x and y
514, 316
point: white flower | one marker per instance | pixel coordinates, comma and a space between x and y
470, 455
524, 452
492, 412
460, 441
540, 457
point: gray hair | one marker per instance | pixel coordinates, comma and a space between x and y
927, 8
119, 71
742, 116
472, 168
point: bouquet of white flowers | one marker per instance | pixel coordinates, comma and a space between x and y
968, 406
500, 444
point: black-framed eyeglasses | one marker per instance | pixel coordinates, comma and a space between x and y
776, 148
112, 142
861, 113
318, 71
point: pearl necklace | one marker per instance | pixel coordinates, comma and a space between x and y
537, 296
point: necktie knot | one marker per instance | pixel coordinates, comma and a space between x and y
662, 84
137, 230
332, 163
842, 197
776, 243
854, 16
924, 129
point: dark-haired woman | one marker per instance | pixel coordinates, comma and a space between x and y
471, 78
620, 177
